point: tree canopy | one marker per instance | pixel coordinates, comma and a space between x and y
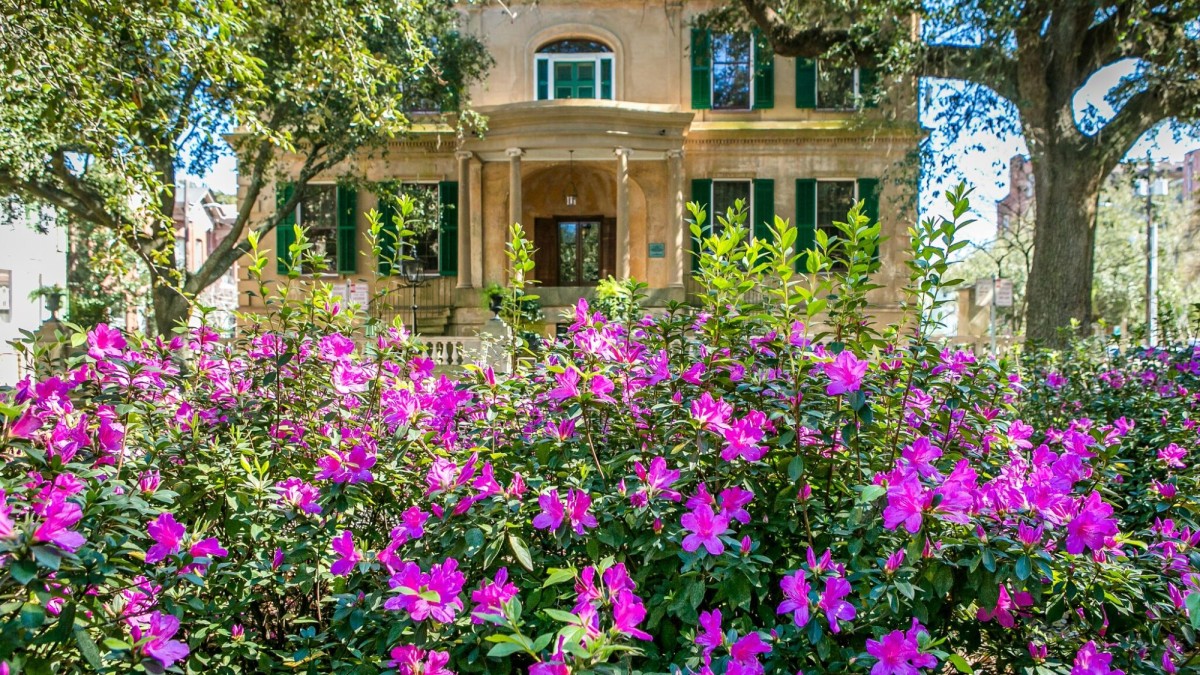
107, 100
1035, 55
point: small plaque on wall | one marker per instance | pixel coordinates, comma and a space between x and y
658, 249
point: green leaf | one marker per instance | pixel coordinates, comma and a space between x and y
559, 615
869, 493
1024, 567
88, 648
960, 664
559, 575
521, 551
505, 649
795, 468
23, 571
1193, 606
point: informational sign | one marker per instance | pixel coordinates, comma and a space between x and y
1004, 293
658, 249
357, 292
984, 289
5, 293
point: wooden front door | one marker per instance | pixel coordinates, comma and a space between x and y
574, 250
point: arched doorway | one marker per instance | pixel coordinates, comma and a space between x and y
575, 243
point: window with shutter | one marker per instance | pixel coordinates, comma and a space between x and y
763, 207
389, 236
868, 192
806, 83
347, 229
702, 195
764, 73
571, 69
285, 230
701, 69
806, 219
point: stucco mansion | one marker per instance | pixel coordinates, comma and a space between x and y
603, 118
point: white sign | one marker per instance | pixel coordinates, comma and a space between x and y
983, 292
357, 293
1004, 293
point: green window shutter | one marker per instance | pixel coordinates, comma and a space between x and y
285, 232
606, 79
701, 69
806, 83
868, 191
448, 228
868, 86
543, 79
389, 238
764, 207
806, 218
702, 194
347, 229
764, 72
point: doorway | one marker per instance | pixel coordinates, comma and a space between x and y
574, 250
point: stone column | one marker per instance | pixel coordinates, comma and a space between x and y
514, 187
677, 233
622, 212
466, 273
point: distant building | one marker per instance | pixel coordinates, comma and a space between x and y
33, 255
1018, 203
201, 224
1191, 180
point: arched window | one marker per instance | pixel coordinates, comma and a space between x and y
574, 68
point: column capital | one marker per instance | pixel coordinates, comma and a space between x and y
463, 154
622, 151
675, 154
514, 152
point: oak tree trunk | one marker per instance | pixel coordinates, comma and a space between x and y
170, 307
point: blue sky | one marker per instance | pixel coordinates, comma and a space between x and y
981, 159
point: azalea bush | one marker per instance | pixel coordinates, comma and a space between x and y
765, 481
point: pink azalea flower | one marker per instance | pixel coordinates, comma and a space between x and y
104, 341
795, 592
628, 612
1092, 527
845, 373
657, 480
7, 527
205, 548
25, 426
552, 513
733, 502
277, 558
299, 495
706, 529
746, 650
907, 501
710, 636
1090, 661
409, 660
920, 457
1172, 456
832, 603
59, 516
894, 561
1005, 606
428, 595
742, 438
157, 635
348, 556
899, 653
168, 537
490, 597
578, 510
568, 384
350, 377
711, 414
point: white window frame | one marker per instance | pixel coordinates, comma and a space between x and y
595, 57
712, 76
855, 96
299, 216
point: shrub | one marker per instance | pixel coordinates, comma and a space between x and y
730, 488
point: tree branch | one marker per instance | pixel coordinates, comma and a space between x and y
787, 40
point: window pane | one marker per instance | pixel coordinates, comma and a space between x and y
575, 47
425, 222
586, 71
732, 71
834, 200
835, 87
589, 252
568, 258
725, 194
318, 216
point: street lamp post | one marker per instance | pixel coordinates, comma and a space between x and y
413, 272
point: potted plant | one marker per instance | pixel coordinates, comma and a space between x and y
493, 294
53, 296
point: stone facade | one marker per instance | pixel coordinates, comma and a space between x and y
630, 162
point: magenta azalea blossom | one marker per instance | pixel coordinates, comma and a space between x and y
899, 653
845, 373
748, 648
299, 495
104, 341
920, 457
155, 640
657, 482
490, 597
907, 502
1006, 605
348, 556
424, 595
795, 592
60, 516
706, 529
168, 537
710, 636
579, 506
552, 513
832, 602
1172, 456
1090, 661
1092, 527
733, 502
628, 612
409, 660
711, 414
742, 438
